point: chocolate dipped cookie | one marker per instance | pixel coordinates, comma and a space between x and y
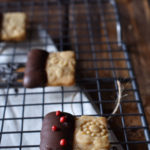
63, 131
49, 69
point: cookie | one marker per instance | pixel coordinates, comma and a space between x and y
64, 131
60, 68
13, 26
91, 133
49, 69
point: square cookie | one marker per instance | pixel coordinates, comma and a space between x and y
60, 68
13, 26
91, 133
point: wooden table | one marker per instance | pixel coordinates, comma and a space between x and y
135, 19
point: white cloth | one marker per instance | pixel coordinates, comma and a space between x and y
33, 101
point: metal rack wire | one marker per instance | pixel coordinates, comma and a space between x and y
92, 29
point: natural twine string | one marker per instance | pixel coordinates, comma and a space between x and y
118, 100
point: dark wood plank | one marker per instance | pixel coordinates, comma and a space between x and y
135, 19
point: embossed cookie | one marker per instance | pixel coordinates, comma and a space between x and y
49, 69
63, 131
60, 68
91, 133
13, 26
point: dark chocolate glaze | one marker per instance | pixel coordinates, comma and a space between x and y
35, 72
50, 140
1, 20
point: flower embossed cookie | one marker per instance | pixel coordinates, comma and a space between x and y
91, 133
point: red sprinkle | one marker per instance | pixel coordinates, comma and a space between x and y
57, 113
62, 119
54, 128
63, 142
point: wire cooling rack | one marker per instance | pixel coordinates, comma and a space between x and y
92, 29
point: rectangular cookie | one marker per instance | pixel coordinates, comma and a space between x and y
60, 68
49, 69
64, 131
13, 26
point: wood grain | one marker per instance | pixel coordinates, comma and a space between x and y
135, 19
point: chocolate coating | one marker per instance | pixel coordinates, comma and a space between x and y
35, 73
1, 20
50, 140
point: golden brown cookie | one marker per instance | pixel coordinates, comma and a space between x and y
60, 68
13, 26
91, 133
